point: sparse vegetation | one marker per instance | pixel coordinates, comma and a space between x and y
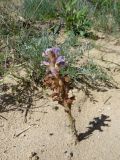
26, 34
40, 9
26, 43
59, 71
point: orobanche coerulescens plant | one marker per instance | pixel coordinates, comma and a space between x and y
53, 79
60, 84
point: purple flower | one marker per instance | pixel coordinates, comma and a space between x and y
54, 60
54, 50
60, 60
53, 71
45, 63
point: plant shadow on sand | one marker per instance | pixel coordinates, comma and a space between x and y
96, 124
21, 98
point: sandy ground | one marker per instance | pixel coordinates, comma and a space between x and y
47, 136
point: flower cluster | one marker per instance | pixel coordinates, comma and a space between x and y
59, 84
54, 61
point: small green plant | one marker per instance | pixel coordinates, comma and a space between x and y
106, 15
39, 9
75, 19
8, 23
116, 12
30, 51
94, 71
101, 3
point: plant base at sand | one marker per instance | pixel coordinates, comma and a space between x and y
59, 84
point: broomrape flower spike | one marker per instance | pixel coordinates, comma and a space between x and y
59, 84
